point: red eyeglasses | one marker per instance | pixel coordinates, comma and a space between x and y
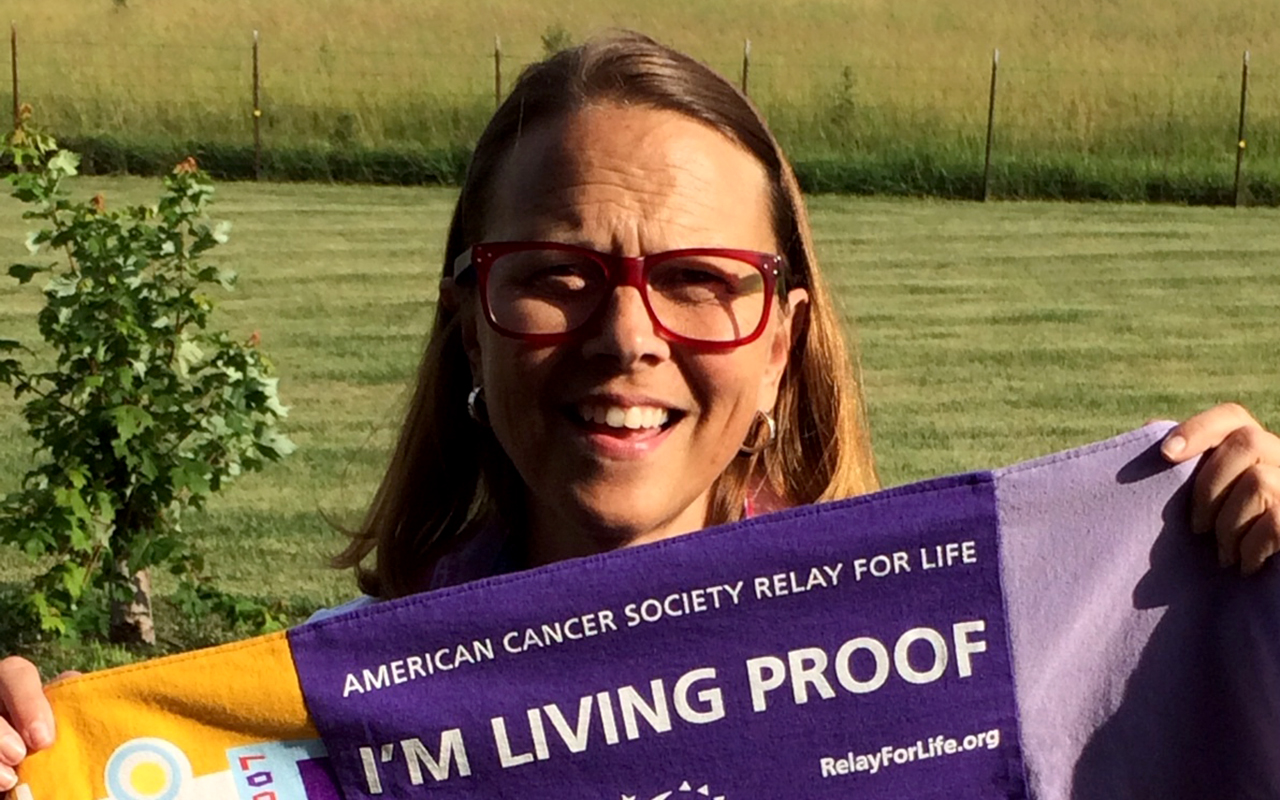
544, 292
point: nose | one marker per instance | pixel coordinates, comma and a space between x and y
623, 330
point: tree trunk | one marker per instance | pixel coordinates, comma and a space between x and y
131, 618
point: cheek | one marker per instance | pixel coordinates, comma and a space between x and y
728, 385
519, 384
508, 376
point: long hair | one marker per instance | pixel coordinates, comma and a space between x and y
448, 475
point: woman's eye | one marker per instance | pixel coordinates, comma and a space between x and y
691, 278
704, 281
557, 278
700, 277
553, 272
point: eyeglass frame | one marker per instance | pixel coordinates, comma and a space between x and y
621, 271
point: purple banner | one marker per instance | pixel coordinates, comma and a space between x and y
852, 649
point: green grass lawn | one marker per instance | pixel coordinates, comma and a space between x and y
989, 333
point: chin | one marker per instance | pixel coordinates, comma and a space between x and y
612, 530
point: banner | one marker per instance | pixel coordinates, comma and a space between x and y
1049, 630
801, 655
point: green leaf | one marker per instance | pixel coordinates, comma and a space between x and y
129, 421
10, 370
146, 466
193, 477
25, 272
73, 578
63, 164
276, 445
61, 286
188, 355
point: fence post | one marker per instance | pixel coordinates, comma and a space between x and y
746, 63
257, 113
991, 126
1240, 140
13, 58
497, 72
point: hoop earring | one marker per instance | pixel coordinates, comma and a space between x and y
475, 401
758, 446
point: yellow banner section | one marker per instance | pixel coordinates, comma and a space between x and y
161, 730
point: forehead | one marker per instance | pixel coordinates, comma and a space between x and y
630, 178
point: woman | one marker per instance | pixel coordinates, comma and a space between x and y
633, 342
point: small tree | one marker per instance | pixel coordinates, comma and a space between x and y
140, 410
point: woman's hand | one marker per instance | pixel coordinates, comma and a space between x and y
26, 720
1236, 494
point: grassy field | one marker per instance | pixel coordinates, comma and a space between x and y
1097, 99
990, 333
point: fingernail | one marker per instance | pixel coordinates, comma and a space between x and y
12, 750
8, 778
1173, 446
39, 735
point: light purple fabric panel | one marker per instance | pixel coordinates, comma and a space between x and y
1143, 670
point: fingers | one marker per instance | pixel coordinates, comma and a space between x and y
1247, 521
1236, 492
26, 720
12, 751
1261, 541
24, 706
1241, 451
1205, 431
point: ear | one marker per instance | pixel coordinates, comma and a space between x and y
791, 321
459, 301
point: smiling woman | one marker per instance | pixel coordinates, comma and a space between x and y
575, 397
631, 181
632, 306
634, 342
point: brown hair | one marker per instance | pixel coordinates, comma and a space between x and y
447, 475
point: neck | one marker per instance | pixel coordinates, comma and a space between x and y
555, 536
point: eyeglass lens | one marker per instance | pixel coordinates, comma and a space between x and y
706, 298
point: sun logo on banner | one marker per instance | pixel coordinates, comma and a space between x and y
685, 788
147, 769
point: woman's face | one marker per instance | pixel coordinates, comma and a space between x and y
629, 181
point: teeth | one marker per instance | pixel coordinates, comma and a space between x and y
632, 417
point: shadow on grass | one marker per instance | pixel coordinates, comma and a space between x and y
177, 630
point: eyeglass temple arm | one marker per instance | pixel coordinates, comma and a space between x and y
462, 264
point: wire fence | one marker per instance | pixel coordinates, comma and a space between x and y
989, 111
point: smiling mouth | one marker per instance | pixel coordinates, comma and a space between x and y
623, 419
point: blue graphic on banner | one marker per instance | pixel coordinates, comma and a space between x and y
853, 649
295, 770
